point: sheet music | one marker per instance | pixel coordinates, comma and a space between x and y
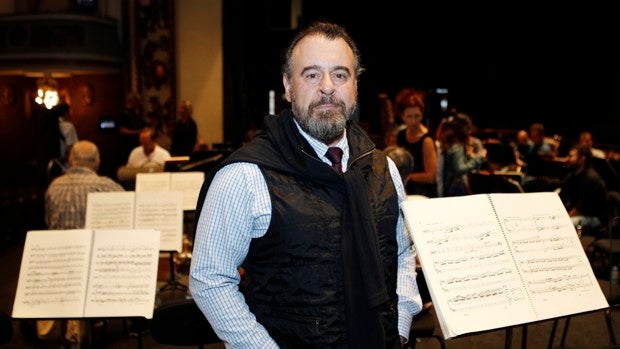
549, 255
189, 183
484, 275
110, 210
52, 275
79, 273
123, 273
161, 211
155, 181
164, 212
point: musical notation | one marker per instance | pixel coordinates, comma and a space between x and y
87, 273
495, 260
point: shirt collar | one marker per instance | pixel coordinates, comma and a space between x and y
321, 148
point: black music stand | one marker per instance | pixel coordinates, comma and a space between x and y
172, 284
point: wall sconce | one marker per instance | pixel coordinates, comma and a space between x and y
47, 92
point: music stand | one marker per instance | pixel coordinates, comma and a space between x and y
172, 284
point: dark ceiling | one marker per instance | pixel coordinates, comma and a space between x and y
507, 67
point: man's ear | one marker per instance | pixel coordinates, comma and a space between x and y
287, 87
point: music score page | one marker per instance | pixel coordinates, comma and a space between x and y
499, 260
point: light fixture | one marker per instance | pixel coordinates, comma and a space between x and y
47, 92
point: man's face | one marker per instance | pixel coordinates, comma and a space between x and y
322, 87
148, 145
572, 160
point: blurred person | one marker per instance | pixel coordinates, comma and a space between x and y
523, 145
148, 153
583, 191
410, 106
68, 133
326, 259
65, 208
456, 157
131, 122
402, 159
535, 158
67, 137
587, 140
474, 143
185, 133
539, 146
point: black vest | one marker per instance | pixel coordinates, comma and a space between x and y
294, 272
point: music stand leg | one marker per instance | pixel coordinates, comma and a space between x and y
508, 341
172, 283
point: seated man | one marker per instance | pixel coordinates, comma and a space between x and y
538, 162
65, 208
583, 191
148, 153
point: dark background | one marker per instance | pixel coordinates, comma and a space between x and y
507, 67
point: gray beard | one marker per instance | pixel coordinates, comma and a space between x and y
326, 126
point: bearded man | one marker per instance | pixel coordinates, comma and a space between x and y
309, 211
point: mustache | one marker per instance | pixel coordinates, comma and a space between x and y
327, 100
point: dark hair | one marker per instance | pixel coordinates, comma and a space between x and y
402, 159
585, 152
452, 130
151, 132
330, 31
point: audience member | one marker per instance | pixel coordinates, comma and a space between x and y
587, 140
66, 137
148, 153
409, 105
65, 208
315, 243
185, 134
456, 157
536, 159
402, 159
523, 144
474, 143
583, 191
68, 133
131, 122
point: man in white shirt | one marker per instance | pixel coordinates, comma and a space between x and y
149, 153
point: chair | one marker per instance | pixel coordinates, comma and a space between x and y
612, 294
181, 323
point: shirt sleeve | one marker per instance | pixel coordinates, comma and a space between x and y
409, 299
235, 210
